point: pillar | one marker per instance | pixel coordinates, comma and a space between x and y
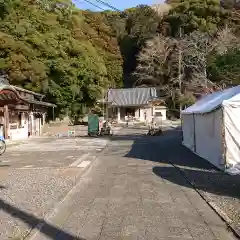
6, 122
141, 116
22, 119
30, 127
32, 124
43, 119
42, 123
118, 114
107, 114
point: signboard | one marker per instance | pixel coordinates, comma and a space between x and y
13, 126
22, 107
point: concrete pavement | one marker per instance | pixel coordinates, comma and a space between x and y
38, 174
52, 152
129, 193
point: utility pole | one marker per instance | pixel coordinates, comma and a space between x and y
103, 103
205, 63
180, 70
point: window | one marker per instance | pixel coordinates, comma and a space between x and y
159, 93
158, 114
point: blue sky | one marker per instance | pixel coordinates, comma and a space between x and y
120, 4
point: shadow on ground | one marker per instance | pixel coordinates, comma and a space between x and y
4, 165
48, 230
218, 183
169, 150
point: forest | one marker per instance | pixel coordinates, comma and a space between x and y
185, 47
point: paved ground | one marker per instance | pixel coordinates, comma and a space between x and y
133, 192
51, 152
221, 190
36, 175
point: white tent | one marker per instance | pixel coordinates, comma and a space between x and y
211, 129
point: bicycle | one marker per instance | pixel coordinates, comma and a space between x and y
3, 145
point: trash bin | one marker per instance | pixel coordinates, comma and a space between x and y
93, 124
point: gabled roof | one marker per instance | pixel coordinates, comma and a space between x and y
131, 96
27, 91
214, 100
9, 92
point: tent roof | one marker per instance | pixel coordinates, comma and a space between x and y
214, 100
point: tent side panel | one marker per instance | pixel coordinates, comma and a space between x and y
232, 134
208, 129
188, 130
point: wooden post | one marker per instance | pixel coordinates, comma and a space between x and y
6, 121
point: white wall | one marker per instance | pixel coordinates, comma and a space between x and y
20, 133
188, 130
148, 112
162, 110
137, 113
232, 133
208, 130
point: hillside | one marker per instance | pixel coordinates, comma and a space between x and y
73, 56
68, 54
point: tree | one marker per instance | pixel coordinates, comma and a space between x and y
225, 69
179, 66
192, 15
67, 54
141, 24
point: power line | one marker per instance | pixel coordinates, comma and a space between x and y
103, 3
108, 5
89, 2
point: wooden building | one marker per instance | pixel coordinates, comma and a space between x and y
142, 104
22, 112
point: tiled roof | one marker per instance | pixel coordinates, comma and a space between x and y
131, 96
9, 92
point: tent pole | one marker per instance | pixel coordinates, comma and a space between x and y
194, 133
223, 140
53, 115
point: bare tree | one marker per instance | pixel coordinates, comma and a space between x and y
180, 65
196, 48
161, 9
154, 59
159, 63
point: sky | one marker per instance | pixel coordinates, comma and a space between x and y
119, 4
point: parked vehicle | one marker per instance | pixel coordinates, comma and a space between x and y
106, 129
2, 145
154, 129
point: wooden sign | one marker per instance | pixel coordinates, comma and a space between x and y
22, 107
